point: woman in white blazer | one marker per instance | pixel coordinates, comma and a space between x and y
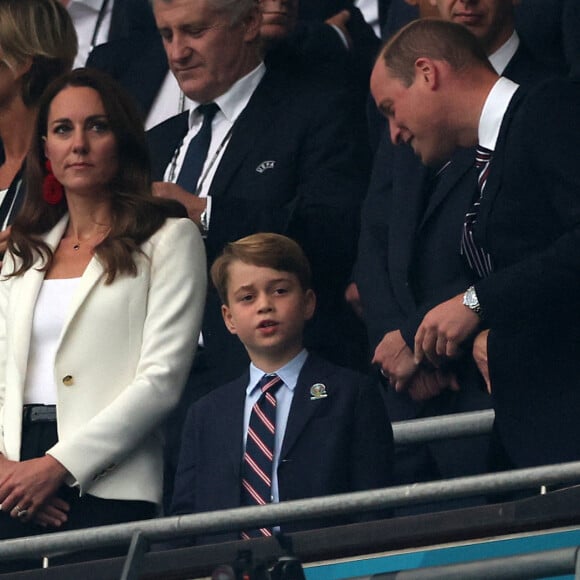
101, 301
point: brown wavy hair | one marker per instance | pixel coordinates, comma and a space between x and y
136, 214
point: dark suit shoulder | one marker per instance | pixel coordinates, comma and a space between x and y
224, 392
317, 370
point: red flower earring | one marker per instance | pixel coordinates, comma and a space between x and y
52, 190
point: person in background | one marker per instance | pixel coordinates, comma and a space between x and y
37, 43
100, 308
100, 21
294, 426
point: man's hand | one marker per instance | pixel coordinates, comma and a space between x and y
193, 204
339, 20
426, 384
26, 485
480, 357
443, 330
352, 296
395, 359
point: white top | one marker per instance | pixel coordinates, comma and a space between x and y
50, 312
494, 110
231, 104
85, 15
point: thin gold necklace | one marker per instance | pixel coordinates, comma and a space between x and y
77, 245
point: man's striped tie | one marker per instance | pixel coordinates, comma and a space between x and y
477, 258
258, 458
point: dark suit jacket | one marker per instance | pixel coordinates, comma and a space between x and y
332, 445
312, 193
552, 31
130, 17
529, 221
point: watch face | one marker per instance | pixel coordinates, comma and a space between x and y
471, 299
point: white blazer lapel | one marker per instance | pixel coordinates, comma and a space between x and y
92, 274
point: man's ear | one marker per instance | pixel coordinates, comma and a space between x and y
228, 319
426, 73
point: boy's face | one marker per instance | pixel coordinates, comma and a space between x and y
267, 310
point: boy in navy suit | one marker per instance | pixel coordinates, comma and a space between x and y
293, 426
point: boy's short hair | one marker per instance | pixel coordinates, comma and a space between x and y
266, 250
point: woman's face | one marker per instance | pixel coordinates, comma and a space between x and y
80, 143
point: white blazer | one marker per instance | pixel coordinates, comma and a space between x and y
120, 365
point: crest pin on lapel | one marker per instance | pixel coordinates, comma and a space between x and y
318, 391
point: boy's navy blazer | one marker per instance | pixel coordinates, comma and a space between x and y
339, 443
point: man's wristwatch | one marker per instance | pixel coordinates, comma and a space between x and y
204, 222
470, 300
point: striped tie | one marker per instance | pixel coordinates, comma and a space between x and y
477, 258
258, 458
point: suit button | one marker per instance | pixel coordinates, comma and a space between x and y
68, 381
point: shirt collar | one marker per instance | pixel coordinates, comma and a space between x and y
494, 110
502, 56
94, 5
288, 373
235, 99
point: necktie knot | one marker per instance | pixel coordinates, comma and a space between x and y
197, 150
270, 383
482, 156
208, 111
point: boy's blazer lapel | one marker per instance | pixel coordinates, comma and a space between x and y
303, 406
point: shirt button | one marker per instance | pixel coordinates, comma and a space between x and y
68, 381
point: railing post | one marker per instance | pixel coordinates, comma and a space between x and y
137, 550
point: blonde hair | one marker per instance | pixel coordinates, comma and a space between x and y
40, 31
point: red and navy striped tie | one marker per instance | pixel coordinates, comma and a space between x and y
477, 258
259, 455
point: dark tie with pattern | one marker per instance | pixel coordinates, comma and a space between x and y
258, 458
197, 150
477, 258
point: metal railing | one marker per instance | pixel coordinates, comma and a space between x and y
290, 511
443, 427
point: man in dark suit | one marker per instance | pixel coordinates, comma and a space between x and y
521, 239
328, 430
408, 261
